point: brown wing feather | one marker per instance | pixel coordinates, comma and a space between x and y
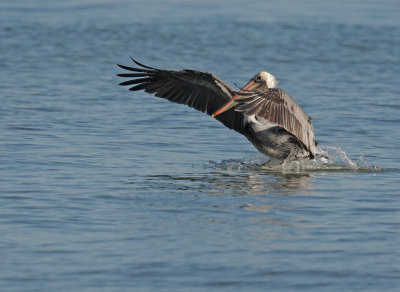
279, 108
200, 90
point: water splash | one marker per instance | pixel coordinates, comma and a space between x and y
330, 159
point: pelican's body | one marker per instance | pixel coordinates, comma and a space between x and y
267, 116
274, 141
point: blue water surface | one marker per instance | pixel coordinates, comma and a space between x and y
102, 189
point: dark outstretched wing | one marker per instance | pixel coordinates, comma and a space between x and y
276, 106
200, 90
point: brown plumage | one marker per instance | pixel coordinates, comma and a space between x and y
267, 116
276, 106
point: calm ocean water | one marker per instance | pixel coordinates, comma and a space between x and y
102, 189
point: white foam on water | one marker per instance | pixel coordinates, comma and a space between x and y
328, 158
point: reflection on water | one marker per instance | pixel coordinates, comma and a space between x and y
256, 182
277, 183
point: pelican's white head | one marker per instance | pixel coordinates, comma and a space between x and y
265, 80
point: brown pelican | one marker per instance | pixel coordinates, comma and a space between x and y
267, 116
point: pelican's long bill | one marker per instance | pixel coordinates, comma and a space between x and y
231, 103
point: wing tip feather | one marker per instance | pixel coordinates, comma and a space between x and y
140, 64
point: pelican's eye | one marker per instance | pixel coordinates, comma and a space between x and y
258, 78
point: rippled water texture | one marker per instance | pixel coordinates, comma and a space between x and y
102, 189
